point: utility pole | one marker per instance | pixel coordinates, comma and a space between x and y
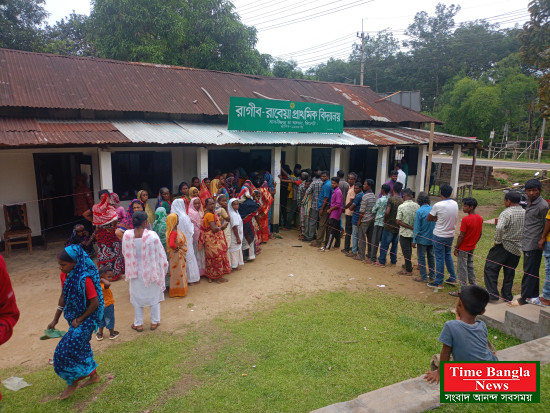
430, 154
541, 138
362, 37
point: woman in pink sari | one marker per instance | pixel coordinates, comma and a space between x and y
196, 216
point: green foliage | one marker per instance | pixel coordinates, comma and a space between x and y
503, 94
287, 69
70, 37
535, 41
196, 33
20, 22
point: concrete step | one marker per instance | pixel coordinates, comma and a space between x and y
527, 322
416, 395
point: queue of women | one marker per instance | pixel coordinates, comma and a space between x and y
202, 232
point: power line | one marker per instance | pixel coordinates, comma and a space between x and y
296, 13
262, 9
293, 6
348, 36
324, 50
330, 11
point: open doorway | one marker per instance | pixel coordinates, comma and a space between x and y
55, 182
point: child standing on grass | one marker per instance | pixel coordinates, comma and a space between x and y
108, 320
464, 338
470, 234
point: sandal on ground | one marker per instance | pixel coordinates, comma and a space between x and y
514, 303
536, 301
139, 329
454, 293
356, 257
154, 326
350, 254
99, 336
114, 335
378, 264
420, 280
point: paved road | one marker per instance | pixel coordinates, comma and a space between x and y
495, 163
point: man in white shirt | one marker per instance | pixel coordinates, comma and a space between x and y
445, 215
401, 175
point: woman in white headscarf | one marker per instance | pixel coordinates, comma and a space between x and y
186, 226
236, 246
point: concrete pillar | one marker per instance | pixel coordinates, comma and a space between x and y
96, 178
105, 171
382, 170
335, 160
455, 169
276, 171
202, 163
420, 169
177, 168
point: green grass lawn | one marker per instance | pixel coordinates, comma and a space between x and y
305, 353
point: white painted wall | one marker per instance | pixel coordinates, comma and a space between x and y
18, 185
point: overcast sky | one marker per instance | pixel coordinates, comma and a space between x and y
329, 27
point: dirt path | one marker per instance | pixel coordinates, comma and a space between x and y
35, 278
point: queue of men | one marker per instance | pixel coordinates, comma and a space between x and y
375, 225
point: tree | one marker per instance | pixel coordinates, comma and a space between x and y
430, 39
535, 48
334, 70
70, 37
503, 95
20, 22
197, 33
288, 69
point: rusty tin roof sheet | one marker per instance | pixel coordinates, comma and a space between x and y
40, 80
405, 136
32, 132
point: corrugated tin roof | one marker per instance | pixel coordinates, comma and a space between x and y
171, 132
40, 80
32, 132
405, 136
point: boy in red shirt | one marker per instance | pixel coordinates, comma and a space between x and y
470, 233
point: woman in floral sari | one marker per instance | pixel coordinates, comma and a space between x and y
186, 226
196, 216
263, 213
215, 246
177, 257
223, 214
109, 247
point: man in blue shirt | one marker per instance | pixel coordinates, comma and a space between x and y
422, 239
323, 204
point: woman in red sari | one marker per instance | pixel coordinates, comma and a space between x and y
204, 192
266, 199
215, 246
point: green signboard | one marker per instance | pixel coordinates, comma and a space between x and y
249, 114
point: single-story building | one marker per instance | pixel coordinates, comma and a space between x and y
133, 125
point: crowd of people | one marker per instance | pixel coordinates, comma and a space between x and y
375, 225
210, 230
